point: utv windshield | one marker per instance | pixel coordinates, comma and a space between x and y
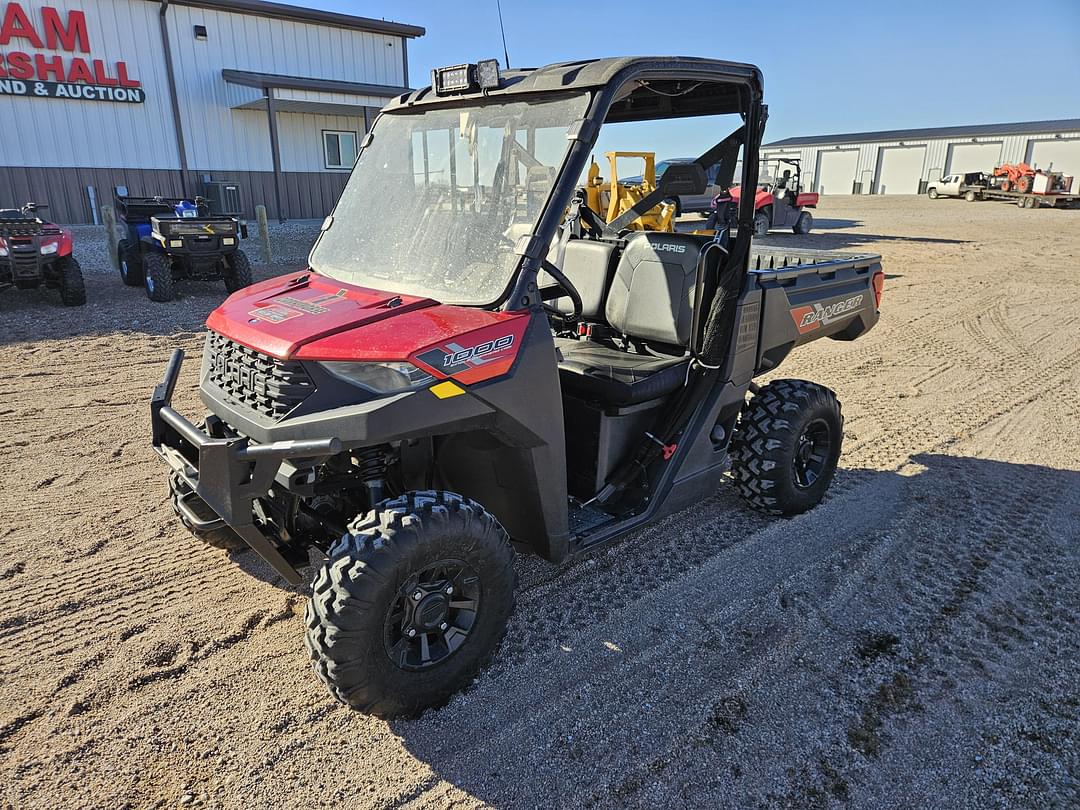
438, 199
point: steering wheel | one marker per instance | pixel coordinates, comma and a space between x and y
568, 288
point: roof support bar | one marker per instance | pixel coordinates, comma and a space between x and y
275, 151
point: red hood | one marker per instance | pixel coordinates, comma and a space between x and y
312, 317
762, 198
279, 315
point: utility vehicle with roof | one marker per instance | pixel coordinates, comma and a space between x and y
167, 239
477, 362
779, 201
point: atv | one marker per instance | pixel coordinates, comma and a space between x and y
477, 362
34, 252
167, 239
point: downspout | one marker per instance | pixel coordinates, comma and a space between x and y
174, 100
275, 150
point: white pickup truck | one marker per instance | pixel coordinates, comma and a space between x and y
970, 186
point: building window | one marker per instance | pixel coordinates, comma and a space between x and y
339, 149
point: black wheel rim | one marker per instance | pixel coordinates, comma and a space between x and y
432, 615
811, 453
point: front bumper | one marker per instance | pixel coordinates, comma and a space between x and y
228, 473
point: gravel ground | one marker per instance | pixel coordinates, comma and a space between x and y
290, 243
912, 642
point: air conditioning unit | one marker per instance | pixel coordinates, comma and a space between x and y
223, 197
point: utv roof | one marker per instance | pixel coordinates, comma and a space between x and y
666, 86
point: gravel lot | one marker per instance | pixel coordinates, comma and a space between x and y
910, 643
290, 243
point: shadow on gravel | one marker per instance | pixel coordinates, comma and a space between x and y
838, 241
111, 308
913, 635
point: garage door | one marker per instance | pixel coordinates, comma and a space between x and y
1064, 155
899, 169
972, 157
836, 171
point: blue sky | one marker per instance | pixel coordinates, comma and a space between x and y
838, 66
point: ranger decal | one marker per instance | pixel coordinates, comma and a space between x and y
811, 317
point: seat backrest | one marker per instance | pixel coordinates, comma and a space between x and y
589, 266
652, 293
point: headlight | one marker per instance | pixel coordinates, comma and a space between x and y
49, 248
176, 243
228, 240
381, 378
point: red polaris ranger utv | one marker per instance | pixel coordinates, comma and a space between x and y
476, 361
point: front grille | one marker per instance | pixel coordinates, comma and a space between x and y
24, 259
254, 380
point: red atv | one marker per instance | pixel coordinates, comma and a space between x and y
780, 202
34, 252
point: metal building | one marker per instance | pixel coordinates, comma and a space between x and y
162, 96
902, 161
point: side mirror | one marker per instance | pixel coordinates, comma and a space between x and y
683, 178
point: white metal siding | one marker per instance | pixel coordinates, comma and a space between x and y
96, 134
900, 169
972, 157
219, 137
1056, 155
300, 137
836, 171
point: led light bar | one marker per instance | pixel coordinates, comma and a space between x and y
484, 75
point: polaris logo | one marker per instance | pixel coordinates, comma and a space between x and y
812, 317
671, 248
478, 351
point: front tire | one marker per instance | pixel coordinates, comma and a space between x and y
786, 446
804, 223
762, 223
237, 271
129, 260
411, 604
159, 277
72, 286
932, 194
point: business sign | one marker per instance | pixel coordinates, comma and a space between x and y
40, 75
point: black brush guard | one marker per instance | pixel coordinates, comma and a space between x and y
229, 474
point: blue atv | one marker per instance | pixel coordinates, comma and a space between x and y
168, 239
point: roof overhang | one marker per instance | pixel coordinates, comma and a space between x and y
305, 95
268, 81
281, 11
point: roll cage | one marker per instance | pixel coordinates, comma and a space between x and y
622, 90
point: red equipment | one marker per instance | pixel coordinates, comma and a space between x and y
1018, 177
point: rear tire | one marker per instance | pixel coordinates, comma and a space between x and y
223, 538
761, 223
159, 277
72, 286
363, 603
237, 271
804, 223
130, 262
969, 196
932, 194
786, 446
